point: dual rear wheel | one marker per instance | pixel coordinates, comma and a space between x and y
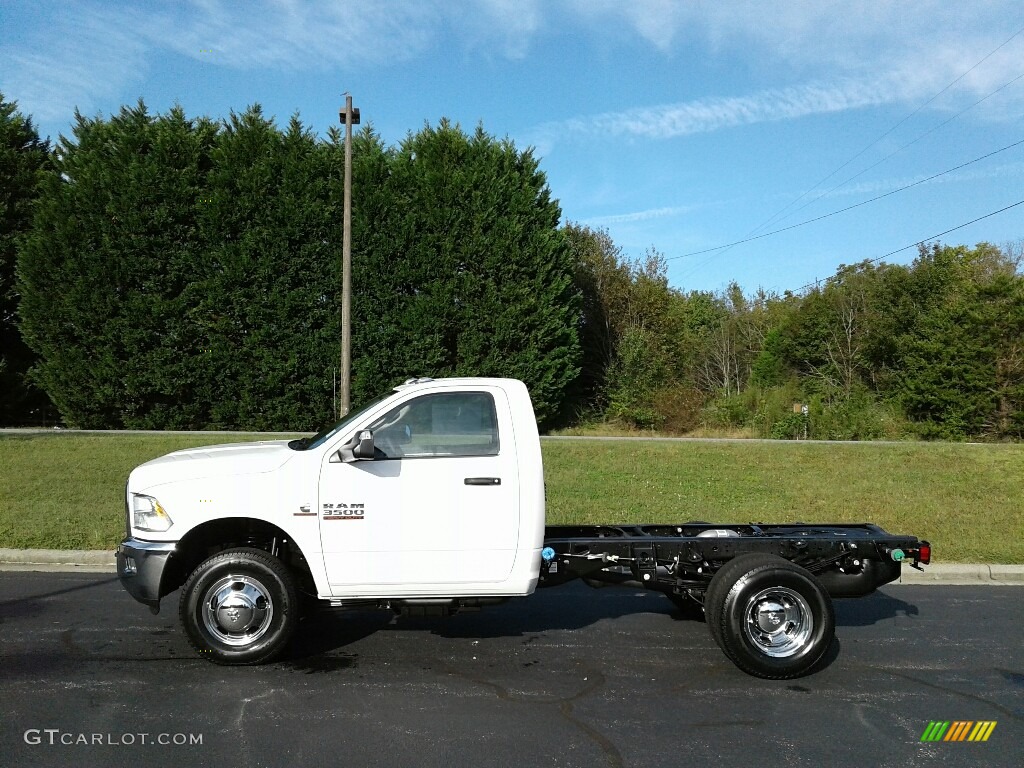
772, 618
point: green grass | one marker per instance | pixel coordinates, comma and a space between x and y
64, 491
968, 500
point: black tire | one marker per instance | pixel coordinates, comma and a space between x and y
240, 606
714, 597
773, 619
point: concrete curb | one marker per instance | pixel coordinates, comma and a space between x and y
57, 560
57, 556
92, 560
968, 574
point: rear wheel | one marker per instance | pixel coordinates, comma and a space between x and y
239, 607
772, 618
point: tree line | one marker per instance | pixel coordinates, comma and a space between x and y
161, 271
933, 349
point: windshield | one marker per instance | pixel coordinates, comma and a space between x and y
305, 443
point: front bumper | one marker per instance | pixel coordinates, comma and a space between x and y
140, 567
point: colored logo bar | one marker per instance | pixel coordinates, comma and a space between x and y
958, 730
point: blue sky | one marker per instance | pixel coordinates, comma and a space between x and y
681, 125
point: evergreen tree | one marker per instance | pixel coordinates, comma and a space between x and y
476, 278
106, 275
23, 157
267, 305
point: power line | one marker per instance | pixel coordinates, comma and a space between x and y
849, 207
775, 216
910, 143
927, 239
890, 130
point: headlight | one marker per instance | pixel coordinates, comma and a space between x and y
148, 515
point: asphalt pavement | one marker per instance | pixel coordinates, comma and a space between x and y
570, 677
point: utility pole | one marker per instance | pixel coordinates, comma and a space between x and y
349, 117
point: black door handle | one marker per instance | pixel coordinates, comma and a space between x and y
483, 481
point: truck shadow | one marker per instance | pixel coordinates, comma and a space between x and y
321, 632
28, 606
568, 608
560, 609
866, 611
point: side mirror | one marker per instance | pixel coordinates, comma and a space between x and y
359, 448
363, 448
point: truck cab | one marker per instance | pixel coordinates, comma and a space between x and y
431, 493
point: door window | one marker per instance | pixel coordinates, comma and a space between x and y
451, 424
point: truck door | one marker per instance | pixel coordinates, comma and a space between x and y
438, 506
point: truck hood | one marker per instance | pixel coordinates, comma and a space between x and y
231, 459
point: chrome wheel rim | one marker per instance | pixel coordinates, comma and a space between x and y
778, 621
237, 610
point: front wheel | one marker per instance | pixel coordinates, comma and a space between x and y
239, 607
772, 618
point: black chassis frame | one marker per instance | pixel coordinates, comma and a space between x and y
850, 560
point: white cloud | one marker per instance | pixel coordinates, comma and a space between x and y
82, 60
629, 218
879, 53
814, 32
657, 22
289, 33
928, 41
89, 52
507, 25
668, 121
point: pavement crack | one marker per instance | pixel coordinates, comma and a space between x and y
567, 708
248, 700
243, 732
595, 681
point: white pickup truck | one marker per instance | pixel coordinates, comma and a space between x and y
431, 500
